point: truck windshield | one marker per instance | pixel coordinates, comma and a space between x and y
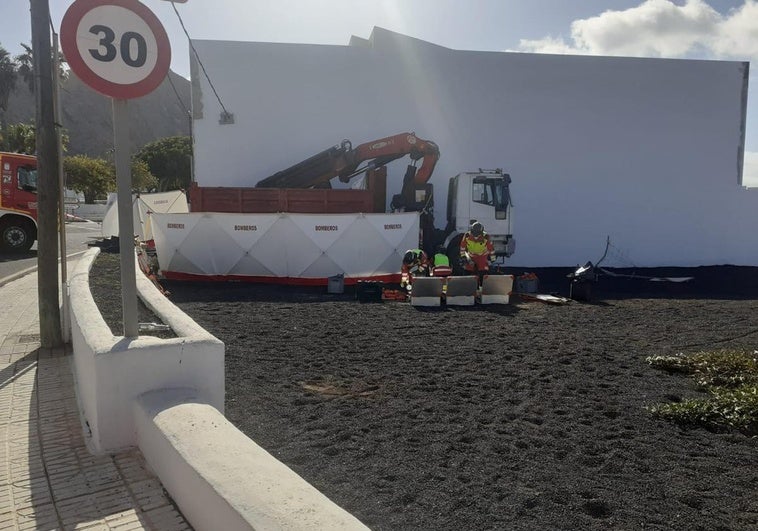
27, 179
493, 192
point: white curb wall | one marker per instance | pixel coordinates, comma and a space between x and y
112, 371
167, 397
219, 477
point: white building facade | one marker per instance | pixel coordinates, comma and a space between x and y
647, 152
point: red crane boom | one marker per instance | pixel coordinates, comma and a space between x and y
345, 162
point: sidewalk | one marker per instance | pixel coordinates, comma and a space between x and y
48, 479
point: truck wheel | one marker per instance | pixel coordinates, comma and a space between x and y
454, 255
16, 236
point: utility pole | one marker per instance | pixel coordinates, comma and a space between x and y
47, 179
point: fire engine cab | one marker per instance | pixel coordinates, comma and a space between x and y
18, 202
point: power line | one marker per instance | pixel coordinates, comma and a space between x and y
176, 93
226, 113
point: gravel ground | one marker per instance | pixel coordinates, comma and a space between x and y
525, 416
105, 285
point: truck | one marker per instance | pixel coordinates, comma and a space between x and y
482, 195
18, 202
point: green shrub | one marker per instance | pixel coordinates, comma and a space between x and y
726, 408
721, 368
731, 379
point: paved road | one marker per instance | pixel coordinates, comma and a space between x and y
77, 237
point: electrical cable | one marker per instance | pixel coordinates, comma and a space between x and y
717, 341
189, 40
176, 93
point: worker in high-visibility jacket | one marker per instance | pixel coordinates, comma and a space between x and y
477, 250
441, 264
415, 264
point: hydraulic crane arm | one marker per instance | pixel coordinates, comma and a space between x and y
387, 149
344, 161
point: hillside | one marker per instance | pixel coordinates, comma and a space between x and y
87, 115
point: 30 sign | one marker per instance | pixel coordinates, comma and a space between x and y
117, 47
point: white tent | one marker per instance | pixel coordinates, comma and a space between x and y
290, 248
143, 206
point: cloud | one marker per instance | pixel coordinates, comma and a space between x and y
656, 27
661, 28
548, 45
738, 33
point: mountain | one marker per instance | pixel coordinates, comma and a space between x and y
87, 115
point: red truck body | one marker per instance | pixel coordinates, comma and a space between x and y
305, 187
18, 201
298, 200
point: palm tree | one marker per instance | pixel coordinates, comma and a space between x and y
25, 63
8, 77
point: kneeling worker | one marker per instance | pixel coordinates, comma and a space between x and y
415, 263
441, 264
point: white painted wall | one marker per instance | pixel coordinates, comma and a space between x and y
90, 212
646, 151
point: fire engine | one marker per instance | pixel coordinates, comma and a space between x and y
18, 202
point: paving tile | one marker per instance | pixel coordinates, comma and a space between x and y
90, 526
130, 526
72, 488
7, 518
122, 518
75, 510
48, 479
132, 467
166, 518
38, 517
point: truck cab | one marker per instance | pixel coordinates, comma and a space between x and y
482, 196
18, 201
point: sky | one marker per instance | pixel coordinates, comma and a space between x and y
690, 29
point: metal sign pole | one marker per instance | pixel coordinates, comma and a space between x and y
108, 52
65, 319
125, 216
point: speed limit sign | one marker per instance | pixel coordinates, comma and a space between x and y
117, 47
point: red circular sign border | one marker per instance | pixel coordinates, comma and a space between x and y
69, 25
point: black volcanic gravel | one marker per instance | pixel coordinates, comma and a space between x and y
525, 416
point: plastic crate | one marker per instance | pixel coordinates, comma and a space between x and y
369, 291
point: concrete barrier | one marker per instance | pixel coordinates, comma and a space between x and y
461, 291
496, 289
427, 291
112, 371
167, 397
219, 478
